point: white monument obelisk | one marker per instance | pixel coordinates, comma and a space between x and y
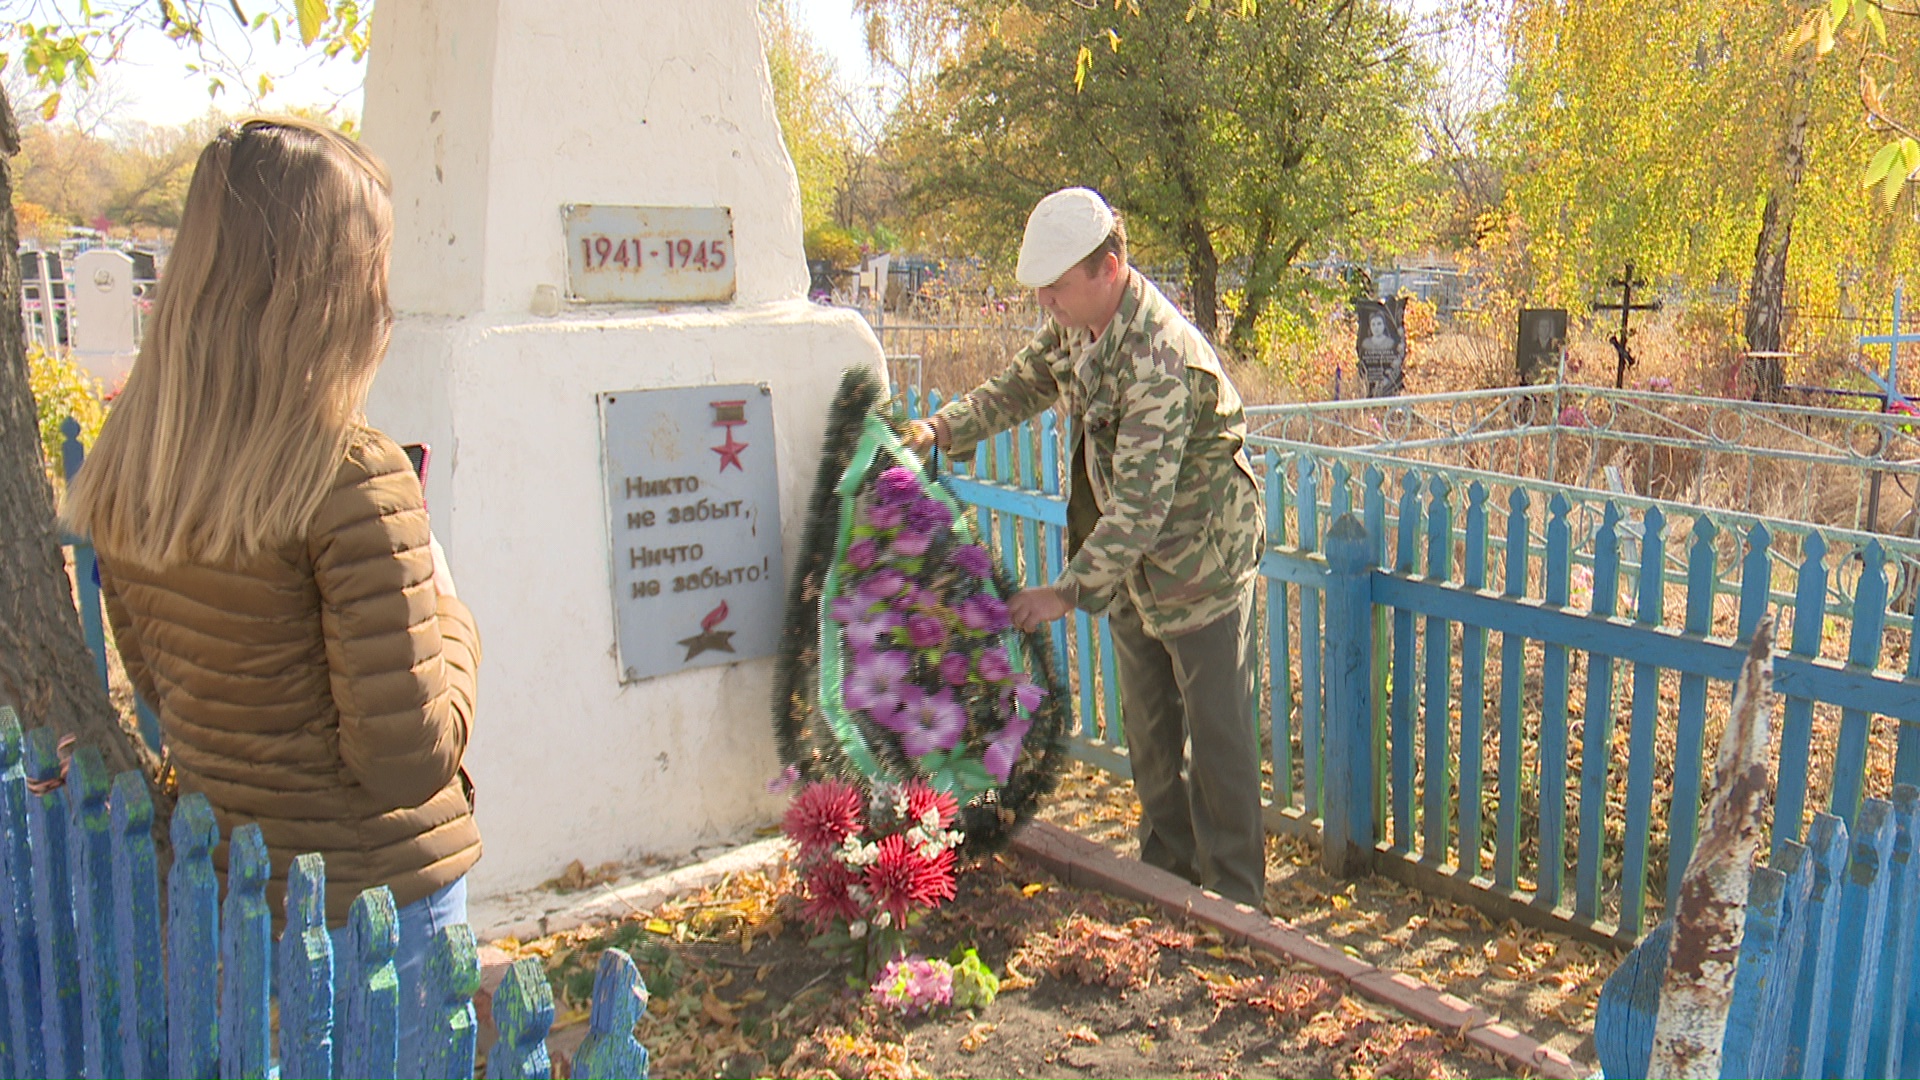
565, 175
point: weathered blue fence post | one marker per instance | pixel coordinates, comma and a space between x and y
246, 948
451, 1032
619, 1001
367, 996
53, 907
92, 868
522, 1014
1347, 848
304, 972
193, 941
136, 914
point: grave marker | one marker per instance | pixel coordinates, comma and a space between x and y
1626, 283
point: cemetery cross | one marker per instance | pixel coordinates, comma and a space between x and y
1890, 397
1626, 283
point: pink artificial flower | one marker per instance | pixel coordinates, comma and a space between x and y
823, 814
926, 632
994, 665
954, 668
875, 682
973, 560
902, 879
1004, 749
863, 553
1024, 693
984, 614
896, 486
911, 543
884, 583
922, 797
929, 515
928, 722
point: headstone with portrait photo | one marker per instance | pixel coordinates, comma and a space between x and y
1380, 344
1540, 342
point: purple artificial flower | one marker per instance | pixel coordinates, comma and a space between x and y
875, 683
954, 668
1024, 693
929, 515
911, 543
896, 486
862, 554
787, 778
926, 632
870, 630
928, 722
884, 583
994, 666
973, 560
883, 515
1004, 749
984, 614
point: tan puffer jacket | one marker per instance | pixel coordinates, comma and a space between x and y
324, 691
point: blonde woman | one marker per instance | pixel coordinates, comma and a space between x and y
265, 556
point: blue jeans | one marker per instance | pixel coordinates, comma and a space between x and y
420, 922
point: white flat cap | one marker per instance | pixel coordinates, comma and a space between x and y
1063, 229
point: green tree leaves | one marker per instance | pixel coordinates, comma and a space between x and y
1892, 167
1238, 138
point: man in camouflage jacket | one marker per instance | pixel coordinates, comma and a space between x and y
1165, 530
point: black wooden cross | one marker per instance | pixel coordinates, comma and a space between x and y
1626, 307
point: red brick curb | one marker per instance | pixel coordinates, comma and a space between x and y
1085, 864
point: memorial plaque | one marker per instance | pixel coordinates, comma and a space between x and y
693, 518
637, 254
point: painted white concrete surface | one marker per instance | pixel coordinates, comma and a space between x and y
491, 115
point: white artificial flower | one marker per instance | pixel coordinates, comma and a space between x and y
883, 920
858, 930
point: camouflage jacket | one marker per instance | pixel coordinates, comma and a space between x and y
1180, 523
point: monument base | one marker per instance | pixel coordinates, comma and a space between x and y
568, 761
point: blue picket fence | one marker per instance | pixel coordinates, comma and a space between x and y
1492, 729
1825, 982
86, 576
96, 986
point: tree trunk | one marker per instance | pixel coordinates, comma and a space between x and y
1253, 298
1767, 293
1203, 276
46, 672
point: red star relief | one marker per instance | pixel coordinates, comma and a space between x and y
729, 452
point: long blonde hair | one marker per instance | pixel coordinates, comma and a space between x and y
271, 321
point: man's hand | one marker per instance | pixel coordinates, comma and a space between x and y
922, 435
1031, 609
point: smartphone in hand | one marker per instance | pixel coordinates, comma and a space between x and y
417, 454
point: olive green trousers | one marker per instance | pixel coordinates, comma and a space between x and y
1186, 706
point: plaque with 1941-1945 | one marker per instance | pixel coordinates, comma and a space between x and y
693, 519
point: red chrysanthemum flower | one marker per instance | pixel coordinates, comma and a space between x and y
823, 814
827, 896
902, 879
921, 798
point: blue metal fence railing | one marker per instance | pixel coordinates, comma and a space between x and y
1554, 775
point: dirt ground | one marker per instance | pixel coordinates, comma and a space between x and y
1094, 985
1542, 984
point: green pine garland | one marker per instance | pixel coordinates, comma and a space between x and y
809, 740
